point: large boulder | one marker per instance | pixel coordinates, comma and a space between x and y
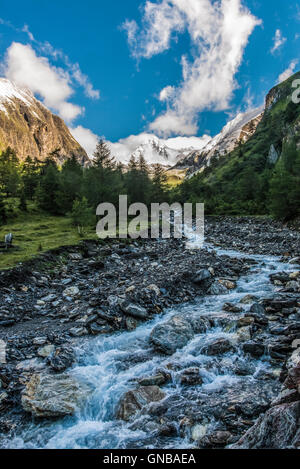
254, 348
134, 310
201, 276
218, 347
171, 335
52, 395
61, 359
133, 401
217, 288
277, 429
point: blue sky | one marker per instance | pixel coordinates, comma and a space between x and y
121, 53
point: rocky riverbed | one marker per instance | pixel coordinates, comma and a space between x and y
190, 348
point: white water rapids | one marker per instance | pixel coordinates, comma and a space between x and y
110, 366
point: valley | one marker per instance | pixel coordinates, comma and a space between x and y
155, 344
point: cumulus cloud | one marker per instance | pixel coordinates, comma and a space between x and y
25, 68
160, 21
288, 72
86, 138
166, 93
219, 32
73, 70
279, 40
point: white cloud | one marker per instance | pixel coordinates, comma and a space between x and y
86, 138
196, 143
219, 32
25, 68
166, 93
73, 70
25, 29
171, 122
279, 40
288, 72
159, 22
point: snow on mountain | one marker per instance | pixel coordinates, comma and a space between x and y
28, 127
156, 150
189, 153
226, 139
9, 92
237, 131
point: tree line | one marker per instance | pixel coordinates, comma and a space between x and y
74, 190
246, 182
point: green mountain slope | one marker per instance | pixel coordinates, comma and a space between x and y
261, 176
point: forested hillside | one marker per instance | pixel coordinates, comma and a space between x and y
263, 175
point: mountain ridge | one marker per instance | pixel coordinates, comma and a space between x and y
29, 128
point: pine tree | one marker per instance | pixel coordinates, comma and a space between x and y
30, 176
48, 189
102, 156
3, 216
159, 185
9, 172
81, 214
23, 203
279, 192
70, 184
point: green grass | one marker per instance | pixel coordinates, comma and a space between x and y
35, 232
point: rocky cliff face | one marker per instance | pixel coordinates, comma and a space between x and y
31, 129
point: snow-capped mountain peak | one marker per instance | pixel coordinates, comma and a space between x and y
154, 149
237, 131
31, 129
10, 91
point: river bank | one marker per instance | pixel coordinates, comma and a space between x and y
127, 296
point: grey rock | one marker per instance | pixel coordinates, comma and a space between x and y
133, 401
277, 429
217, 289
253, 348
134, 310
218, 346
78, 331
52, 395
61, 359
258, 309
201, 276
45, 351
171, 335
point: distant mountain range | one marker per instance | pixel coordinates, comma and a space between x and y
188, 160
31, 129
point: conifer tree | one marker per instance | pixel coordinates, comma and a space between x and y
102, 156
159, 185
48, 189
3, 216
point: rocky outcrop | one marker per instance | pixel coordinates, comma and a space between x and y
133, 401
52, 396
171, 335
279, 427
28, 127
